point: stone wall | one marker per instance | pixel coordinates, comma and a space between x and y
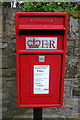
0, 63
70, 109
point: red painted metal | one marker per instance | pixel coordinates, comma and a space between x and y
29, 24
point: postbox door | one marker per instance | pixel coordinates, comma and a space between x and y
27, 79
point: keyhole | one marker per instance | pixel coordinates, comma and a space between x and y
27, 81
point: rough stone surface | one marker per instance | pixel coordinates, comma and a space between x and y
74, 28
72, 67
76, 115
70, 108
0, 63
76, 91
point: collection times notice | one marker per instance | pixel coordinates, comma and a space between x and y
41, 79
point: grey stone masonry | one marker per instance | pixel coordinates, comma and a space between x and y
0, 63
70, 108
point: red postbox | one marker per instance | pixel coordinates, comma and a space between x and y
40, 58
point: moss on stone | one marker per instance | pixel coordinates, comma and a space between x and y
73, 13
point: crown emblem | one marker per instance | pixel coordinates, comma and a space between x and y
33, 43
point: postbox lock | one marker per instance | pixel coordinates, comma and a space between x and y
27, 81
41, 58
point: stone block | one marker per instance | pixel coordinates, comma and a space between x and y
71, 102
73, 28
53, 117
9, 96
67, 82
76, 83
12, 61
79, 68
8, 49
69, 51
66, 91
76, 91
50, 110
72, 68
70, 43
64, 110
8, 72
0, 45
76, 43
13, 41
4, 62
0, 72
0, 40
74, 115
8, 61
73, 48
8, 37
76, 51
0, 85
4, 45
22, 116
0, 62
